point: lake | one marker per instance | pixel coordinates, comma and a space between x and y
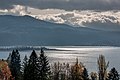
86, 54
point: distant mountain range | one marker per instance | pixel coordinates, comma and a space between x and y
100, 20
28, 31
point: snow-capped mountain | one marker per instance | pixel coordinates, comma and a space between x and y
108, 20
26, 30
100, 20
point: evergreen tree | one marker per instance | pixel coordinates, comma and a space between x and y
31, 72
9, 59
45, 68
113, 74
14, 64
24, 67
85, 74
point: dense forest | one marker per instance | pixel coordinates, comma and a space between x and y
37, 67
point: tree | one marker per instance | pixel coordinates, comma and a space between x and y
14, 64
24, 67
31, 72
45, 72
9, 58
60, 71
5, 73
113, 74
56, 71
37, 68
77, 71
102, 66
85, 74
24, 64
93, 76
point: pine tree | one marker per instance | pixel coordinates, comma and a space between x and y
31, 72
113, 74
24, 66
45, 68
14, 64
85, 74
9, 59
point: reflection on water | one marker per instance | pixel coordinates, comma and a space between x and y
87, 55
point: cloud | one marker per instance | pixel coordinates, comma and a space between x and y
79, 18
92, 18
100, 20
64, 4
16, 10
74, 17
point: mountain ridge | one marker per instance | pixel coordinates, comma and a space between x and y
26, 30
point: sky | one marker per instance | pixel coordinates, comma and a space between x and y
64, 4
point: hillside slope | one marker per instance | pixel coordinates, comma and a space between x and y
25, 30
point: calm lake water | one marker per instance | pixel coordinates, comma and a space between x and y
86, 54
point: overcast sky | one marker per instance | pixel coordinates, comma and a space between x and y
64, 4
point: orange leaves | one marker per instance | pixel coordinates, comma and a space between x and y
4, 70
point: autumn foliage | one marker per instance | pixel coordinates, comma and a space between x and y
5, 73
37, 67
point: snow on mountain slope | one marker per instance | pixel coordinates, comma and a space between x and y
26, 30
108, 20
100, 20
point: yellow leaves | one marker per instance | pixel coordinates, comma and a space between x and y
78, 67
77, 71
